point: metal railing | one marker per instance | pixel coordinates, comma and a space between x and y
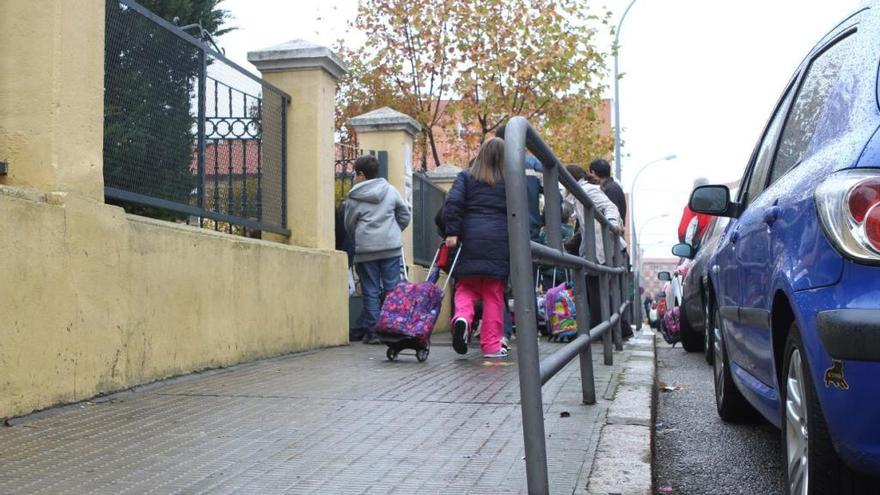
343, 165
533, 373
189, 134
427, 201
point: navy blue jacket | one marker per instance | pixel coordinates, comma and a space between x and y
477, 213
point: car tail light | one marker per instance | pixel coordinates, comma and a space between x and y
848, 203
872, 226
862, 197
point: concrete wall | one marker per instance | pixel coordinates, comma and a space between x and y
94, 300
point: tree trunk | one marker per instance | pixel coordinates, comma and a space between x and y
423, 145
430, 133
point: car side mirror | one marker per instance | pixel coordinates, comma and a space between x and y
713, 200
684, 250
664, 276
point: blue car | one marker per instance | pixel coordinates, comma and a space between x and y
794, 283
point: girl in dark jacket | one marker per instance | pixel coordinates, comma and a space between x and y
476, 214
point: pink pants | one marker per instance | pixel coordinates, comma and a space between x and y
468, 291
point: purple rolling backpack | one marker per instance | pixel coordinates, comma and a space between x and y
411, 309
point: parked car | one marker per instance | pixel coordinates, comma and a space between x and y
694, 292
674, 323
795, 279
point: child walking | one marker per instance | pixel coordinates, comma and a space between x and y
375, 215
476, 216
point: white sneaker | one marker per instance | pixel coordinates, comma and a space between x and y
505, 343
460, 335
502, 353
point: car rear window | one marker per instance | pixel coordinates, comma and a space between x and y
820, 112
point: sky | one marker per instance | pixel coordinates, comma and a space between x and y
700, 79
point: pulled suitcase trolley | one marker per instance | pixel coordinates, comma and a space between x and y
409, 313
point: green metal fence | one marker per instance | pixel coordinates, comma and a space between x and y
427, 201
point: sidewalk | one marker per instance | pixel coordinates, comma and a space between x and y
339, 420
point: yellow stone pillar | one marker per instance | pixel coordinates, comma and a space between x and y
309, 74
388, 130
52, 95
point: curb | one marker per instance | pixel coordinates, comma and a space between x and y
622, 464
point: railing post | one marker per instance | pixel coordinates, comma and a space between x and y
531, 400
552, 207
605, 296
200, 160
588, 384
616, 285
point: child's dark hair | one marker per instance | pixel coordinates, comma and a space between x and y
367, 165
576, 172
601, 168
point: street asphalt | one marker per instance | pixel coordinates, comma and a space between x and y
695, 452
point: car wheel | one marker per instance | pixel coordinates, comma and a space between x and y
731, 405
708, 335
812, 466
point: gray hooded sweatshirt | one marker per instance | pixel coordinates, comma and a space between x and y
375, 214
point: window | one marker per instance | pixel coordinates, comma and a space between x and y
821, 111
758, 177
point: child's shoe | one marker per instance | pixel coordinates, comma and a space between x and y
502, 353
460, 335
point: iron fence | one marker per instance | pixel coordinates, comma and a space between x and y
343, 165
188, 134
612, 295
427, 201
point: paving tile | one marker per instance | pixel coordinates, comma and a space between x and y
340, 420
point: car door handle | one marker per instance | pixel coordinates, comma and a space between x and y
771, 215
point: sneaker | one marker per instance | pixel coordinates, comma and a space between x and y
371, 338
505, 343
460, 335
502, 353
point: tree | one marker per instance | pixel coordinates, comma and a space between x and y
576, 134
149, 88
408, 60
493, 59
533, 58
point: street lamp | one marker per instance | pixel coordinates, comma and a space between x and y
616, 49
636, 258
655, 217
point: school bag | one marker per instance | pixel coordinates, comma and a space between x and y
409, 313
560, 308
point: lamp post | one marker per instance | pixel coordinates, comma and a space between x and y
636, 256
655, 217
616, 49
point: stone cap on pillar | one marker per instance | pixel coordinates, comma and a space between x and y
385, 119
445, 172
298, 55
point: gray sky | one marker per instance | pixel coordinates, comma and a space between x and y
701, 78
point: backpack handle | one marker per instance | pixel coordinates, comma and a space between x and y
452, 267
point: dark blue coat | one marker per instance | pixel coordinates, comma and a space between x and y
477, 213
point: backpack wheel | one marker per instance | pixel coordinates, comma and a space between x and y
391, 354
422, 355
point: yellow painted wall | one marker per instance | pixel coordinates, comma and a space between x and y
93, 300
51, 115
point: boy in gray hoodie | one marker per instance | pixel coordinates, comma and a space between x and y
375, 215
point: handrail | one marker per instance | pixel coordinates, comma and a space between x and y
533, 373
